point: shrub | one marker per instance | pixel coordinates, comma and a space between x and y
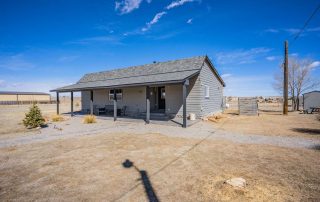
57, 118
77, 104
33, 118
89, 119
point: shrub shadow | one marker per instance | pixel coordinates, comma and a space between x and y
310, 131
316, 147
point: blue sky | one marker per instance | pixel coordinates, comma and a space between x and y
45, 44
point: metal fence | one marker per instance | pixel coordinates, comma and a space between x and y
26, 102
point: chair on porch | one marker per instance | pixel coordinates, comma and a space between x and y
123, 110
98, 110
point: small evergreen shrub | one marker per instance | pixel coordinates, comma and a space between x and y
57, 118
33, 118
89, 119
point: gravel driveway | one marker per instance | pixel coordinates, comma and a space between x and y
74, 127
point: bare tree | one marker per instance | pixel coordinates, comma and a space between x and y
300, 79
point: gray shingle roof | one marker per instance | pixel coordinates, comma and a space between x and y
162, 72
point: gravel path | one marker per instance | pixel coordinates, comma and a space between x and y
74, 128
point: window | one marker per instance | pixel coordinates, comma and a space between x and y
163, 93
118, 92
207, 91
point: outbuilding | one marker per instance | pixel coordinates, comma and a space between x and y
16, 97
311, 100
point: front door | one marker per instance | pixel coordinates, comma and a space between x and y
161, 98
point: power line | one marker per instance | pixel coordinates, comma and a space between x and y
306, 24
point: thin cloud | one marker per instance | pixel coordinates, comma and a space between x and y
98, 39
3, 83
67, 58
177, 3
292, 31
155, 20
271, 58
16, 63
314, 64
127, 6
225, 76
271, 30
241, 56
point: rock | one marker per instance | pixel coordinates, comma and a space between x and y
237, 182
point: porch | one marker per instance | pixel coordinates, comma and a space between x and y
162, 103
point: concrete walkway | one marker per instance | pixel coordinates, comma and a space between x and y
74, 127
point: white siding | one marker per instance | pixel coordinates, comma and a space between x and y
311, 99
134, 98
213, 103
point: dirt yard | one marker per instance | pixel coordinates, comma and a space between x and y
11, 116
90, 168
273, 124
173, 163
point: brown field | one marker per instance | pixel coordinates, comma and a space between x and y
90, 168
273, 124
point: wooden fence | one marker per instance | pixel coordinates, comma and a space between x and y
248, 105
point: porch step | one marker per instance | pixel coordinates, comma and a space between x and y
155, 116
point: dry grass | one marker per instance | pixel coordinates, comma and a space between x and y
273, 124
57, 118
216, 118
12, 115
88, 119
90, 168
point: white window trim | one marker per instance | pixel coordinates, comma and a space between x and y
206, 91
119, 95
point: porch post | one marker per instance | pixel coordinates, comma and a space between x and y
114, 105
58, 102
91, 102
148, 104
184, 99
71, 103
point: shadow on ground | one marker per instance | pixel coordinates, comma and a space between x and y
316, 147
150, 193
310, 131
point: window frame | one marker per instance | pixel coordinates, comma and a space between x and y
206, 91
119, 93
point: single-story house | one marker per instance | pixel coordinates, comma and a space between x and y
175, 88
311, 99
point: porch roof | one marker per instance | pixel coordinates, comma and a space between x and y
175, 71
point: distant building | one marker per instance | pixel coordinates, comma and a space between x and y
13, 97
311, 99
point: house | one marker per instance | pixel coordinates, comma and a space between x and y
311, 99
175, 88
14, 97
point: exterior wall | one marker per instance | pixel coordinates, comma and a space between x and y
311, 99
34, 97
213, 103
134, 98
174, 98
7, 97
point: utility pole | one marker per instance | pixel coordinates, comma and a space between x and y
285, 79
